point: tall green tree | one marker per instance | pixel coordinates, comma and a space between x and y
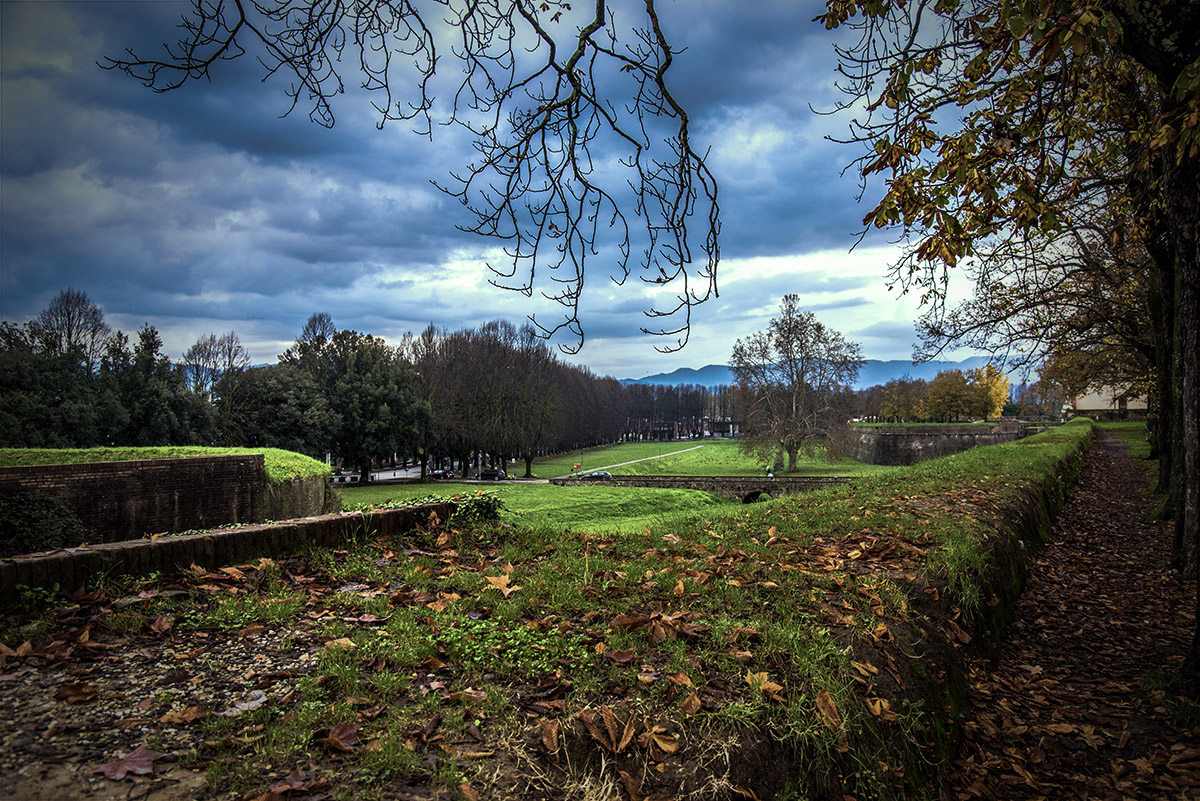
284, 407
159, 408
369, 388
949, 397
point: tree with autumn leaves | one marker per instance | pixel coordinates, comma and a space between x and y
953, 394
1002, 126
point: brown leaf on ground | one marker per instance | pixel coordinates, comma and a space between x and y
632, 787
503, 584
763, 684
139, 761
187, 715
78, 693
549, 732
342, 737
828, 709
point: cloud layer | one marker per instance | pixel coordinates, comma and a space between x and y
202, 210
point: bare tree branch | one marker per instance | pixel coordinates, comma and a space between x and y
560, 169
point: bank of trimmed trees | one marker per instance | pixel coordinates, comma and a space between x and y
482, 396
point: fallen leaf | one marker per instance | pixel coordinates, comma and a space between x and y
828, 709
691, 704
139, 761
188, 715
342, 737
469, 792
254, 700
632, 786
680, 679
503, 584
549, 730
77, 693
162, 624
762, 683
294, 782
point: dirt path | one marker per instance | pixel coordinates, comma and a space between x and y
1077, 706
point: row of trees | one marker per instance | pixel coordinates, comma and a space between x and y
476, 395
1065, 187
951, 395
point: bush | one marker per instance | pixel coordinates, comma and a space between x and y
32, 522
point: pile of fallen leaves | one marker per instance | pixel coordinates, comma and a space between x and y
1080, 703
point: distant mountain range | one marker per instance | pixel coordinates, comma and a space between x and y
873, 372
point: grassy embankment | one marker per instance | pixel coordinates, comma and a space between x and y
710, 457
280, 465
798, 648
599, 508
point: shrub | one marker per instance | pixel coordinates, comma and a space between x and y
33, 522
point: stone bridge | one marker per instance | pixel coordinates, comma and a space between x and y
741, 488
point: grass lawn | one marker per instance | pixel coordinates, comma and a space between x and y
595, 509
1133, 434
280, 465
713, 457
798, 648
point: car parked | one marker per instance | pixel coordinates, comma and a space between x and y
492, 474
441, 474
597, 475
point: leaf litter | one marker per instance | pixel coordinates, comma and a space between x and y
170, 679
1076, 705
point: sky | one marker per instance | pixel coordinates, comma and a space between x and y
205, 210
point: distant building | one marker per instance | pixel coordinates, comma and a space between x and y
1110, 403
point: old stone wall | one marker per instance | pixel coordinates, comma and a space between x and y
903, 445
79, 568
125, 500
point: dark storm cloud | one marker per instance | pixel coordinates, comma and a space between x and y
201, 209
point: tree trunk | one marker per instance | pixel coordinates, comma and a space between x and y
1183, 212
1162, 315
528, 465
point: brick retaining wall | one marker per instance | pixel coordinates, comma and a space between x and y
77, 568
127, 499
905, 445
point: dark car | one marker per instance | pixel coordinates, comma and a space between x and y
441, 474
597, 475
492, 474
